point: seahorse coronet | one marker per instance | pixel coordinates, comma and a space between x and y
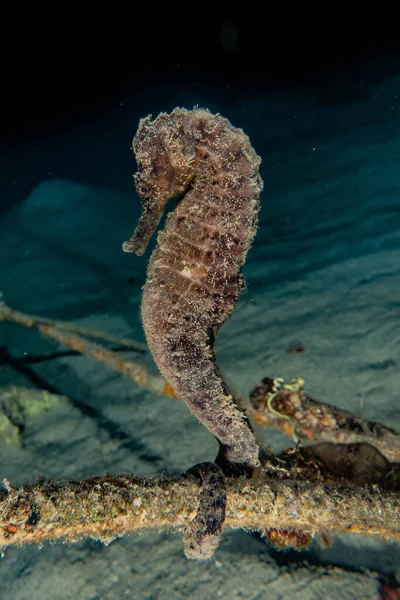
194, 274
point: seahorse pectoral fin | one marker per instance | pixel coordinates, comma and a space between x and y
148, 222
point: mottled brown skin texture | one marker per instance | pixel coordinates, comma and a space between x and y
203, 534
193, 279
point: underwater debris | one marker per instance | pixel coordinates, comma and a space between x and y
286, 406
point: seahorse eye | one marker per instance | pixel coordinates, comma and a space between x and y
143, 189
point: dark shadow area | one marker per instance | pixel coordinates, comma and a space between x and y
113, 430
67, 63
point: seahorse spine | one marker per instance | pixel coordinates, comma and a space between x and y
194, 274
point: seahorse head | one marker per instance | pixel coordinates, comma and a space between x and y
165, 170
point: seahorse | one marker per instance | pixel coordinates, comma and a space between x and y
194, 274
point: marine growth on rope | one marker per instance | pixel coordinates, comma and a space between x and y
194, 275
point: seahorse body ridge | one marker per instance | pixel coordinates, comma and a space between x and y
194, 274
